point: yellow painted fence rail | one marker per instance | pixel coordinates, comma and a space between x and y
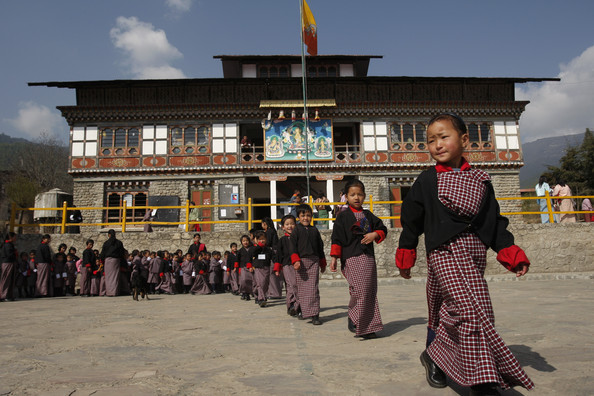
248, 207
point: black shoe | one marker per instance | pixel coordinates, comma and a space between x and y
292, 311
484, 390
247, 297
351, 326
315, 320
369, 336
262, 303
435, 377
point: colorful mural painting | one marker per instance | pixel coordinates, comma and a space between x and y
286, 140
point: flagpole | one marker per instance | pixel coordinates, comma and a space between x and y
304, 83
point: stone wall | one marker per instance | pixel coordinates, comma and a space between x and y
89, 194
508, 185
552, 248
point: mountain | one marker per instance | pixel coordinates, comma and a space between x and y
8, 150
541, 153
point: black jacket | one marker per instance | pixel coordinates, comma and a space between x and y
348, 233
261, 256
422, 212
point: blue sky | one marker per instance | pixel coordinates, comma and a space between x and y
74, 40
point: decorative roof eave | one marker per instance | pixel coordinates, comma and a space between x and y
251, 170
425, 109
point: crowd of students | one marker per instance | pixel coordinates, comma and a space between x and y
452, 204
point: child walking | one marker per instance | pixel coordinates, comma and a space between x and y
353, 235
454, 205
285, 265
246, 278
308, 259
261, 258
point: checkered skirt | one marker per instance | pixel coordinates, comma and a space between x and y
308, 293
361, 273
466, 346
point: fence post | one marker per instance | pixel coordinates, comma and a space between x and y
124, 217
249, 214
311, 205
64, 217
12, 217
371, 203
549, 207
187, 215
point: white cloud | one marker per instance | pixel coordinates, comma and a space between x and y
560, 108
34, 119
179, 5
147, 50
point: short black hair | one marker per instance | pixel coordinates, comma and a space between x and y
454, 118
259, 234
304, 208
354, 183
287, 217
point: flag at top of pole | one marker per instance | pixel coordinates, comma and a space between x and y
309, 29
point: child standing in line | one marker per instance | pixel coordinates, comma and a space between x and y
226, 272
70, 273
308, 259
353, 235
275, 287
285, 265
454, 205
9, 267
200, 285
25, 272
187, 268
246, 277
32, 278
261, 257
215, 272
233, 267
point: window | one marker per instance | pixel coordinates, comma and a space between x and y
408, 136
190, 139
115, 202
273, 71
322, 71
154, 139
84, 141
375, 136
120, 141
479, 135
224, 138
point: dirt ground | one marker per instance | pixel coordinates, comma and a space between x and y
218, 344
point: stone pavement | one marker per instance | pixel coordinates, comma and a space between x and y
195, 345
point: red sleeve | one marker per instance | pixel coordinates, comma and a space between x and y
336, 250
512, 256
405, 258
201, 272
277, 267
248, 265
382, 236
161, 274
294, 258
88, 265
236, 265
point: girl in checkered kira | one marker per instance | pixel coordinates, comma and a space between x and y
353, 235
454, 205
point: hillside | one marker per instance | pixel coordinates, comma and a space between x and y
8, 150
542, 153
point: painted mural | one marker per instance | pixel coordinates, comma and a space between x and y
286, 140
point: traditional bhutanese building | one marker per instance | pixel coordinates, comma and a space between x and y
163, 142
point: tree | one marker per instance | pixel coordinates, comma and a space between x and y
576, 167
22, 191
45, 162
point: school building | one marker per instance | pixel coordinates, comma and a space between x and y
162, 142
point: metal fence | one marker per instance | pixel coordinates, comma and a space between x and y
62, 223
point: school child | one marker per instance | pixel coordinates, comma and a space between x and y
233, 267
284, 264
308, 259
44, 285
24, 272
200, 285
275, 287
9, 268
59, 269
196, 247
139, 276
215, 272
125, 289
72, 251
88, 265
70, 273
454, 205
226, 273
177, 274
153, 278
165, 269
246, 277
32, 274
97, 281
187, 268
353, 235
261, 258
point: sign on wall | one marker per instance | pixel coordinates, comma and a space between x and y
286, 140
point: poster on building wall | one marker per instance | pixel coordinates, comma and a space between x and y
286, 140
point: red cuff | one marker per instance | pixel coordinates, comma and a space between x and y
382, 236
405, 258
294, 258
88, 265
248, 265
95, 272
161, 274
236, 265
512, 256
277, 267
336, 250
323, 263
201, 272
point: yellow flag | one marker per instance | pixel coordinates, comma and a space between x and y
310, 29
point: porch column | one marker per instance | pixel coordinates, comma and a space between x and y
330, 196
273, 199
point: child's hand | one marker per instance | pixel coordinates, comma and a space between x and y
522, 269
277, 273
252, 269
405, 273
369, 238
297, 265
333, 264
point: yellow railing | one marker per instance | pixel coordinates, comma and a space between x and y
124, 223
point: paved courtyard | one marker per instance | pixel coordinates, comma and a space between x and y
220, 345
